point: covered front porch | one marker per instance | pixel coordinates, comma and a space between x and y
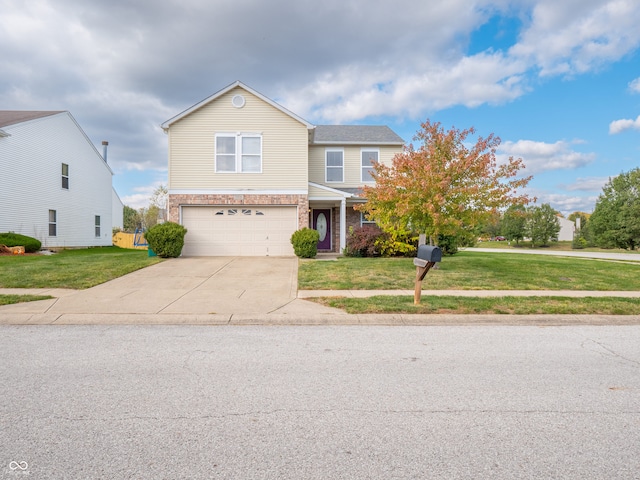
331, 213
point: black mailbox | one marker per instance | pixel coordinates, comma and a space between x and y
429, 253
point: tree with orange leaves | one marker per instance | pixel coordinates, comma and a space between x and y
443, 187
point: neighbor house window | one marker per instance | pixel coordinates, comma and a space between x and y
65, 176
368, 159
53, 223
334, 159
97, 224
239, 153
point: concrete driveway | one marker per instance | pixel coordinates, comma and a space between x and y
190, 285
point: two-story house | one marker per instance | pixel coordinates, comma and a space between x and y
55, 186
245, 173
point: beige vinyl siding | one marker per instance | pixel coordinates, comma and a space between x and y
284, 146
352, 165
315, 192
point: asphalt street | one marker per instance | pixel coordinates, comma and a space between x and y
320, 402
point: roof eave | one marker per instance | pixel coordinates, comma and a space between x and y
337, 142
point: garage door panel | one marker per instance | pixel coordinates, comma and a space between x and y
239, 231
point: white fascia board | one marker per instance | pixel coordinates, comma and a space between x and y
235, 192
371, 144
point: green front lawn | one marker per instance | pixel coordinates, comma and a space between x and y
77, 269
471, 271
10, 299
486, 305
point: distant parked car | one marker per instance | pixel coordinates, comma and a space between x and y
500, 239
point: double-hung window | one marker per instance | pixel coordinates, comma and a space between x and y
368, 158
97, 225
239, 153
334, 161
53, 223
65, 176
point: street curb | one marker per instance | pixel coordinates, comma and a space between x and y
319, 320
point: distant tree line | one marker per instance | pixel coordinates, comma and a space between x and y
614, 223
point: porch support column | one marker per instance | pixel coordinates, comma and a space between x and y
343, 224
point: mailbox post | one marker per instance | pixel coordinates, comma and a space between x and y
428, 256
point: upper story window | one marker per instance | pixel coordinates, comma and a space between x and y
334, 161
65, 176
238, 153
368, 157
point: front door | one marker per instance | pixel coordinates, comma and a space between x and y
322, 223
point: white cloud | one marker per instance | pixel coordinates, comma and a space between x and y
619, 126
576, 36
587, 184
540, 156
565, 204
634, 85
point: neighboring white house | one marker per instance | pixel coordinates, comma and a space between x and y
567, 228
55, 185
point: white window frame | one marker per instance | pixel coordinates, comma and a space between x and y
65, 176
333, 167
368, 168
364, 221
97, 221
238, 153
53, 222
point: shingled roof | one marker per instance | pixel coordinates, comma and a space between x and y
355, 134
11, 117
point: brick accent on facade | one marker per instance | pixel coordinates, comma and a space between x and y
300, 201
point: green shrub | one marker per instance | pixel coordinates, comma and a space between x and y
305, 242
11, 239
448, 244
166, 239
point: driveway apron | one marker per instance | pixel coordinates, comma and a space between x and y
193, 285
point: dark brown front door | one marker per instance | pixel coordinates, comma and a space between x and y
322, 223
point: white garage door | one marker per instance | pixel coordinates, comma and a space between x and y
241, 231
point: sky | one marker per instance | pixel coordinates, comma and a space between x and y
557, 80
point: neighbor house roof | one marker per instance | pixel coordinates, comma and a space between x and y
165, 126
355, 134
12, 117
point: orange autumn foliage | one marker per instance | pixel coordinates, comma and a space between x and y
444, 186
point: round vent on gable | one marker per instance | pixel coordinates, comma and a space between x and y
238, 101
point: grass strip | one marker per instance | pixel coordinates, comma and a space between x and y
511, 305
11, 299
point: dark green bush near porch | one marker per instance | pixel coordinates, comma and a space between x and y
11, 239
305, 242
166, 239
